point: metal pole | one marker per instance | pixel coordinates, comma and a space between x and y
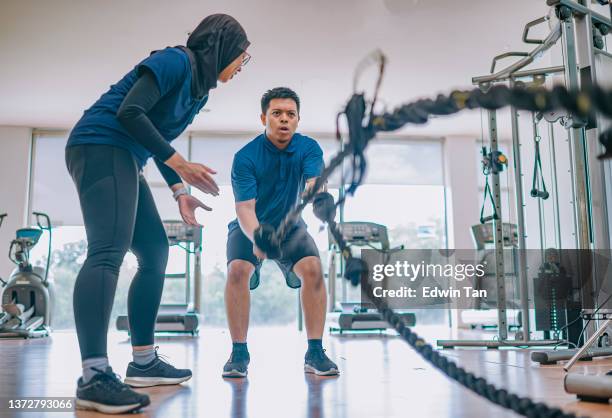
553, 162
188, 276
519, 74
500, 272
586, 345
331, 279
580, 184
540, 208
520, 220
577, 139
600, 232
197, 277
341, 193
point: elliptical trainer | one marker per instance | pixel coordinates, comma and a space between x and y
27, 294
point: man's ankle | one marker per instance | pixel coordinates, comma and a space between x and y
240, 348
315, 344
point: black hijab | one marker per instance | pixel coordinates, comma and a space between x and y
217, 41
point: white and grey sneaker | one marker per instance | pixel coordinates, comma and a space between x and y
237, 365
107, 394
317, 362
157, 372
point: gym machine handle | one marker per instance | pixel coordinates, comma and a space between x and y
489, 218
39, 215
45, 227
542, 194
506, 55
530, 25
2, 216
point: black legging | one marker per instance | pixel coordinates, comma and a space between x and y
119, 215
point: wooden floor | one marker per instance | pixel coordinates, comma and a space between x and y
381, 377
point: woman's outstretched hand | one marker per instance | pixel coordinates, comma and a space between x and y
187, 206
198, 175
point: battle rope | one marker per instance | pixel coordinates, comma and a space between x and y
356, 271
581, 104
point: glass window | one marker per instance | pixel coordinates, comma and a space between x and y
403, 190
52, 189
273, 302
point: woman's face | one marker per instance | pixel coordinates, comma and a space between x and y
234, 67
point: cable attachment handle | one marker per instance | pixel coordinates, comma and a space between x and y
538, 174
493, 162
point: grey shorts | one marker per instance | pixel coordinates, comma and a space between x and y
296, 245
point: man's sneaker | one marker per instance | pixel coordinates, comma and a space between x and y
107, 394
157, 372
237, 364
317, 362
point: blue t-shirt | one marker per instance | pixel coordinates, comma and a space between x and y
274, 178
170, 115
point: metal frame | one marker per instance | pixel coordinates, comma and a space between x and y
498, 234
502, 340
591, 228
522, 234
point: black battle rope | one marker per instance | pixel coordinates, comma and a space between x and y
324, 209
582, 104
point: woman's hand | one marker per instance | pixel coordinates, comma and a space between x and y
187, 206
198, 175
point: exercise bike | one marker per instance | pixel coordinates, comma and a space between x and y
27, 294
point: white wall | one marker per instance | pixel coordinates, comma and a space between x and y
313, 46
461, 180
15, 144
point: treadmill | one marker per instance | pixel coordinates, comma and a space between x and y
347, 316
181, 317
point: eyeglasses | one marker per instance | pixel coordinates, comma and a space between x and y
245, 59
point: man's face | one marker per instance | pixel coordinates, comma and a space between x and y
281, 121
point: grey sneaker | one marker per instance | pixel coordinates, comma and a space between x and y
158, 372
237, 365
317, 362
107, 394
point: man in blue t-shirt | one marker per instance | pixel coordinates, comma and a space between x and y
269, 175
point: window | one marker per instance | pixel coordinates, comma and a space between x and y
53, 192
403, 190
272, 302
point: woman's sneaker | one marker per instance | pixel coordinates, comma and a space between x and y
237, 365
317, 362
158, 372
107, 394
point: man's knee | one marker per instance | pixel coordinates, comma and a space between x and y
310, 271
239, 272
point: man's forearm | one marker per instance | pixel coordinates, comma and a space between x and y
310, 184
247, 219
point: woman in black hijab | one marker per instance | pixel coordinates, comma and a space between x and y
136, 119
